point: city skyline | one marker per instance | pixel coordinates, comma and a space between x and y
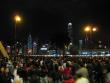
48, 20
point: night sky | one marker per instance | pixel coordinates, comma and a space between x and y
48, 19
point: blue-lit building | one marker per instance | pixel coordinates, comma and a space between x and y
29, 44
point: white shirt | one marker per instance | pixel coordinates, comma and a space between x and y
41, 62
17, 79
82, 80
15, 72
64, 65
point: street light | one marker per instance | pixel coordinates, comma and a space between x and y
17, 19
94, 29
89, 30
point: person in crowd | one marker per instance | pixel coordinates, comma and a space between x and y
74, 68
56, 76
107, 76
81, 79
2, 79
17, 76
67, 72
43, 74
83, 71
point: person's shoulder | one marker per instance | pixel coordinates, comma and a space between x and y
82, 80
72, 81
85, 80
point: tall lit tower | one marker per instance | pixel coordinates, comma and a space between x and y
70, 32
34, 47
70, 35
29, 45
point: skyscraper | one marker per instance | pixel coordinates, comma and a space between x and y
29, 45
34, 48
70, 32
70, 35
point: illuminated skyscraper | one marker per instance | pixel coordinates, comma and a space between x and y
29, 45
70, 35
70, 32
34, 48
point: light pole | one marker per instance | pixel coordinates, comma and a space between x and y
89, 30
17, 19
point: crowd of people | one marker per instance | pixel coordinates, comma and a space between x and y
28, 69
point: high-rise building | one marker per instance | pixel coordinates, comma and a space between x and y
34, 48
25, 50
70, 35
29, 45
70, 32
